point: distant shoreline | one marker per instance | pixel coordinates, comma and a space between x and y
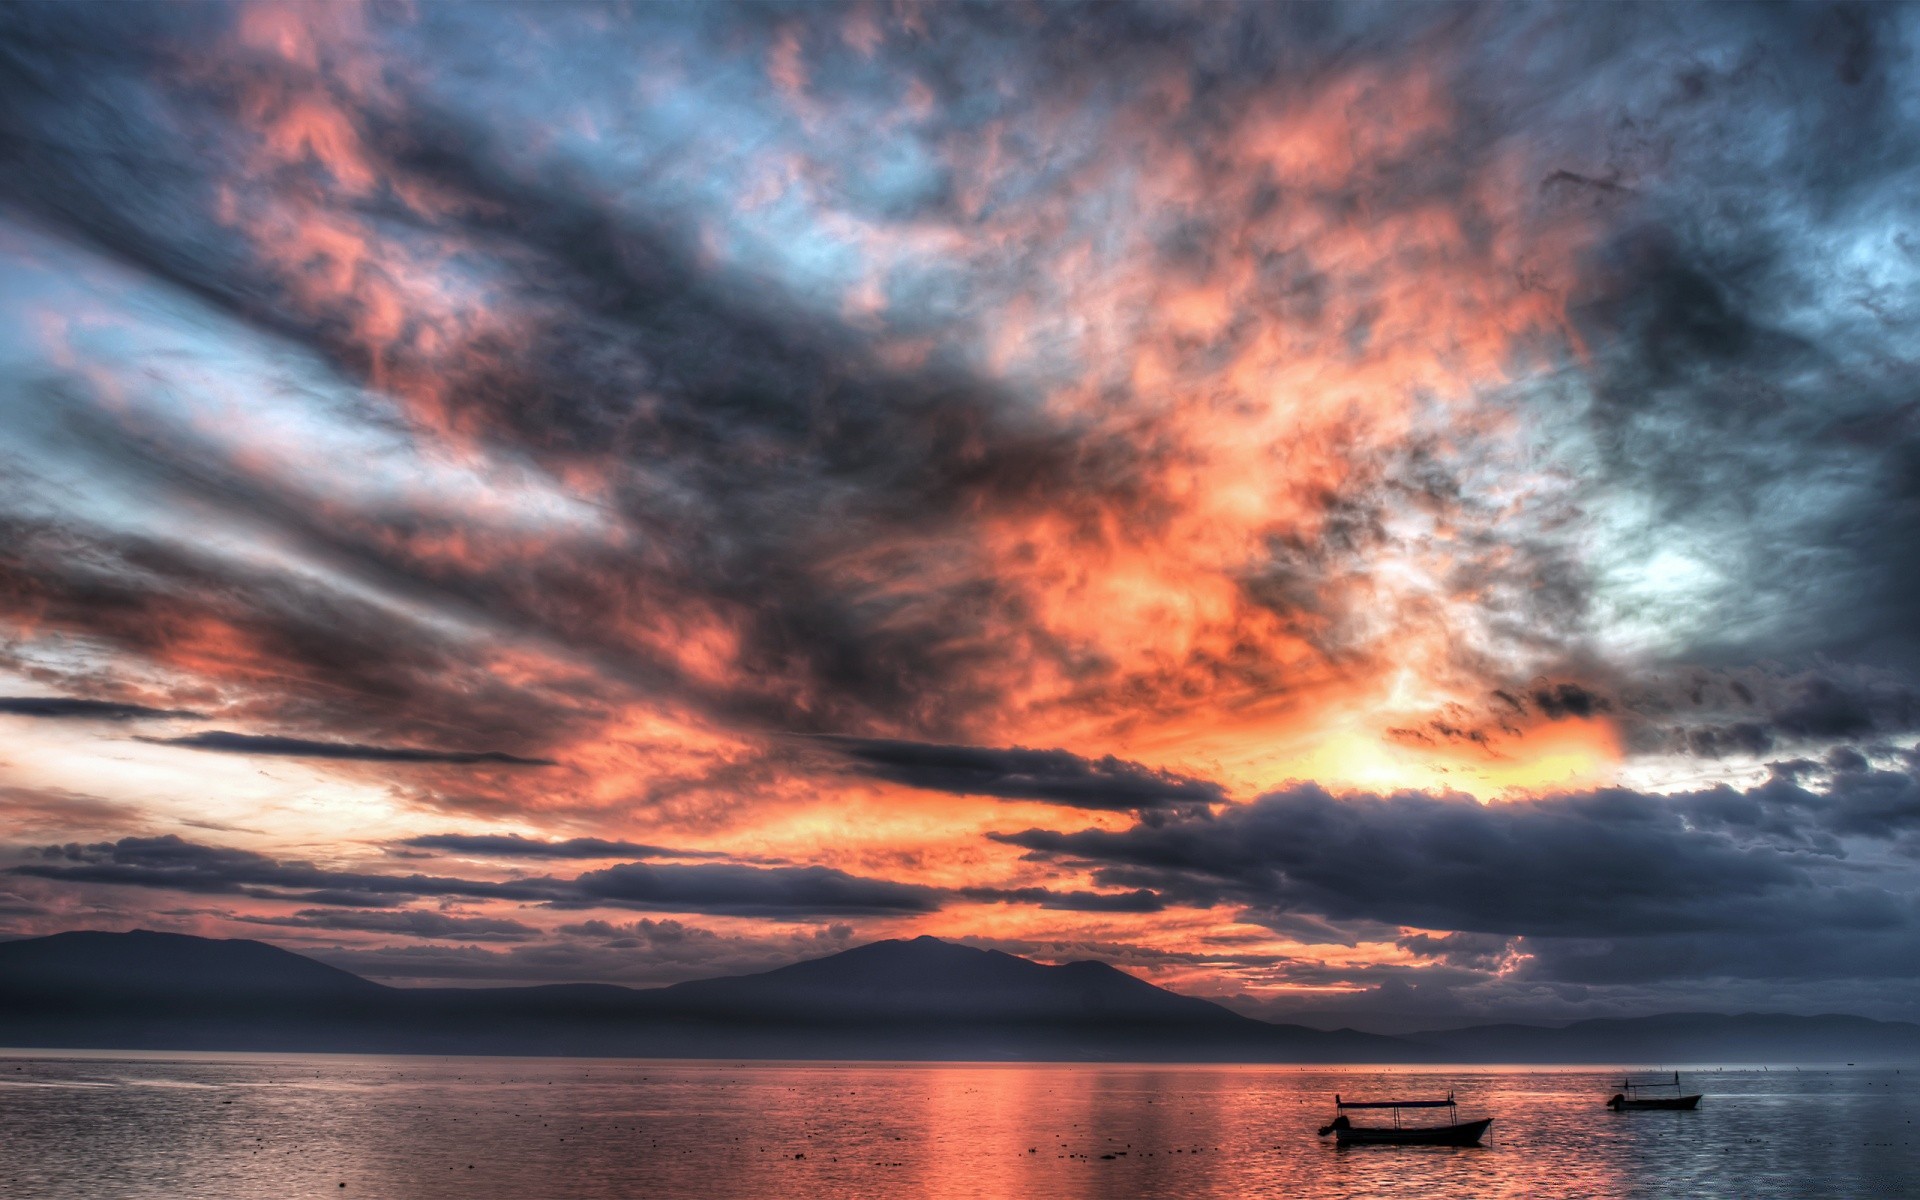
136, 1054
917, 1001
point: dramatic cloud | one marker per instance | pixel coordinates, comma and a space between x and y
1610, 889
175, 864
723, 889
67, 707
811, 435
1140, 900
1605, 864
241, 743
1050, 776
507, 845
409, 922
749, 891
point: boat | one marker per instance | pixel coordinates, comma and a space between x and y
1633, 1095
1454, 1133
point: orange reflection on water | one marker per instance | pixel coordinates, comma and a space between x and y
250, 1127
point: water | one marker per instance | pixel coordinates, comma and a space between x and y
104, 1127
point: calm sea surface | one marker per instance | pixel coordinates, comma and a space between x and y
267, 1126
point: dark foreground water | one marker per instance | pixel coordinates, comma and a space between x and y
266, 1126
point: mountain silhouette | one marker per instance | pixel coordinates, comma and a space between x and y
923, 998
935, 979
87, 964
920, 999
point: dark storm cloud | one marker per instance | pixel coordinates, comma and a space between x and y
1140, 900
1823, 710
749, 891
173, 863
722, 889
223, 742
1017, 773
1884, 951
1757, 713
1742, 737
512, 845
1568, 700
1717, 712
1614, 863
72, 708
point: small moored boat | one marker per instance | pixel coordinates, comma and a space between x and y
1454, 1133
1634, 1094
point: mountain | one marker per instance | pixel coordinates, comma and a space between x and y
1683, 1038
919, 999
87, 963
933, 979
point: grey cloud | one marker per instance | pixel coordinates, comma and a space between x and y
1613, 863
1568, 700
1140, 900
750, 891
1756, 713
173, 863
407, 922
1825, 710
644, 953
1868, 952
513, 845
1741, 737
73, 708
729, 889
1017, 773
1474, 951
223, 742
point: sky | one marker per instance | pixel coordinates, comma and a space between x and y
1376, 508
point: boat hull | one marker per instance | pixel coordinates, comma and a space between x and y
1668, 1102
1466, 1133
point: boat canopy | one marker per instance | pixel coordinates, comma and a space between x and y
1339, 1103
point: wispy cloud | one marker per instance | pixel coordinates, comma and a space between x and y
76, 709
287, 747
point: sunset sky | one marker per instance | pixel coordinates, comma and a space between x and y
1405, 507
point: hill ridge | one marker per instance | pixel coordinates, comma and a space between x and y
919, 998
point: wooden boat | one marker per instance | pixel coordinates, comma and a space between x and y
1454, 1133
1633, 1095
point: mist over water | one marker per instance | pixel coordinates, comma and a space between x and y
261, 1126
